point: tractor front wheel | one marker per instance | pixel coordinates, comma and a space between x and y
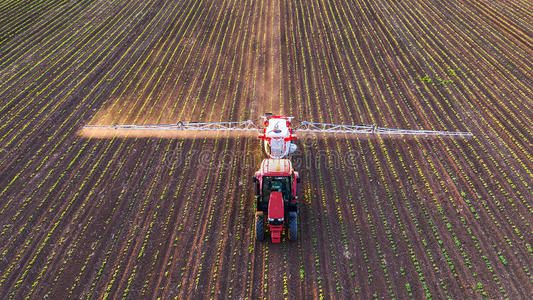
293, 226
259, 227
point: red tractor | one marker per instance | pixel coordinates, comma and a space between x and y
276, 189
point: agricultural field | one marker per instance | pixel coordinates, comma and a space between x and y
108, 216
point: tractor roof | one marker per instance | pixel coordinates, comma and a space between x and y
276, 167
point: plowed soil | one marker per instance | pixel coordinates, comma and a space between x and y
147, 216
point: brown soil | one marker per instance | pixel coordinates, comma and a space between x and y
93, 214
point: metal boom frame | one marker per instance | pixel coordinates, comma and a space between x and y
369, 129
220, 126
304, 126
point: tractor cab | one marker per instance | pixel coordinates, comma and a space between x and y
276, 185
280, 184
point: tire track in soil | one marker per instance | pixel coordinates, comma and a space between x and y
274, 75
267, 92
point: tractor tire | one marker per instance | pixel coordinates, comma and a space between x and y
259, 228
293, 226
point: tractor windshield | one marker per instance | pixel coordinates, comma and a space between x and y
279, 183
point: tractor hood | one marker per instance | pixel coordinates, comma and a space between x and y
275, 206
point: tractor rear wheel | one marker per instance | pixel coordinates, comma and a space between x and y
259, 227
293, 226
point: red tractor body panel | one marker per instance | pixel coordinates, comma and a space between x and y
275, 206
